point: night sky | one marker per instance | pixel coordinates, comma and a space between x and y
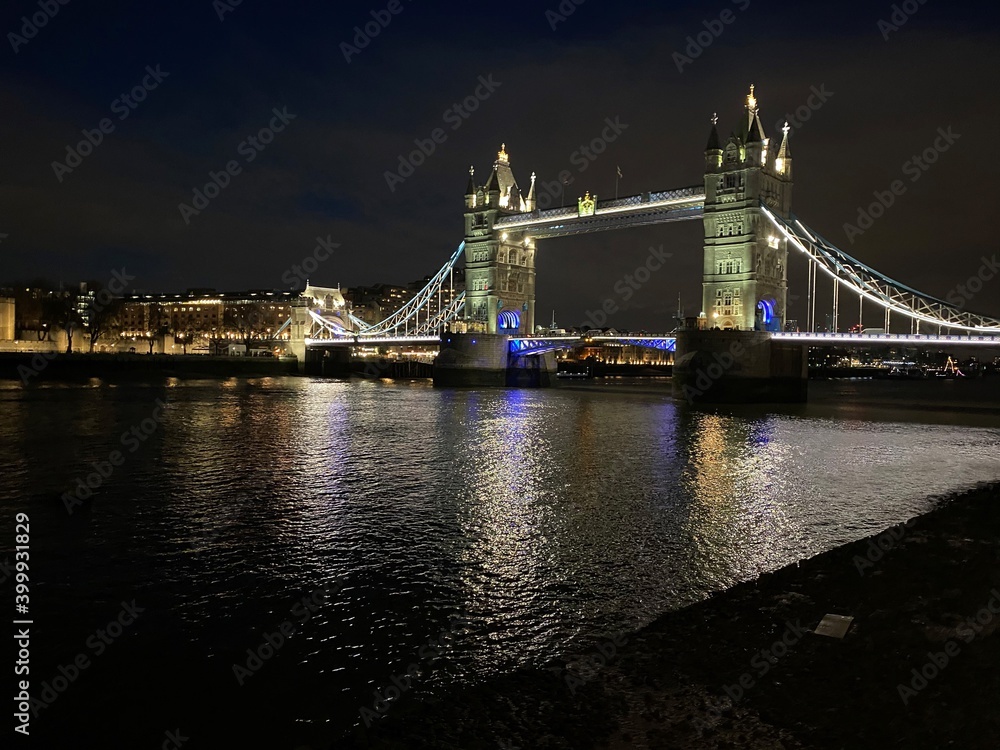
324, 174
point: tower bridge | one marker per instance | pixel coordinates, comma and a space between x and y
621, 213
744, 203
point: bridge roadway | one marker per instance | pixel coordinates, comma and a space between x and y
528, 345
875, 339
632, 211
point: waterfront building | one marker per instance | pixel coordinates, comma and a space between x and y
6, 318
201, 318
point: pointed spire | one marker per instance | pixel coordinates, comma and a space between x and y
470, 189
493, 183
502, 181
713, 136
751, 130
784, 152
783, 161
529, 203
754, 130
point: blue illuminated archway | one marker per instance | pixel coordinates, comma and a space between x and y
509, 320
768, 316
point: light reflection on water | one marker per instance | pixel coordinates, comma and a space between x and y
544, 519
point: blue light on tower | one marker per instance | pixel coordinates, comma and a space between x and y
766, 308
509, 320
769, 320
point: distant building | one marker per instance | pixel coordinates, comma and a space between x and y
373, 304
448, 291
84, 304
198, 317
326, 298
6, 318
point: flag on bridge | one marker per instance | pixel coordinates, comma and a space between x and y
620, 175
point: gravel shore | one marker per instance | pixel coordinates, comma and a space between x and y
919, 666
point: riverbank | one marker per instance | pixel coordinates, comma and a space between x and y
744, 669
33, 368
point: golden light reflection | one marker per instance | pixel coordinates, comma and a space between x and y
738, 516
503, 518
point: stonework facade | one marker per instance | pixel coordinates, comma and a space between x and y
499, 266
746, 260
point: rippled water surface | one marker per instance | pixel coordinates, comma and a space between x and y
524, 524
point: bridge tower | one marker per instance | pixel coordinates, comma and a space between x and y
499, 266
745, 282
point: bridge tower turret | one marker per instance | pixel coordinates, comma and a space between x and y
713, 151
470, 190
499, 265
745, 282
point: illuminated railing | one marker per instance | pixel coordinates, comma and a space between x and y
523, 346
408, 316
887, 338
373, 340
877, 287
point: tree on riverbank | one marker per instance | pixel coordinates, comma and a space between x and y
104, 320
157, 326
59, 311
248, 320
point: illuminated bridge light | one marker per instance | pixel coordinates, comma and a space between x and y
861, 338
509, 320
541, 345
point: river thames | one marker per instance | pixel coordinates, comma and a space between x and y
294, 548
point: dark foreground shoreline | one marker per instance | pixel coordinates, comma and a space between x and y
676, 683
